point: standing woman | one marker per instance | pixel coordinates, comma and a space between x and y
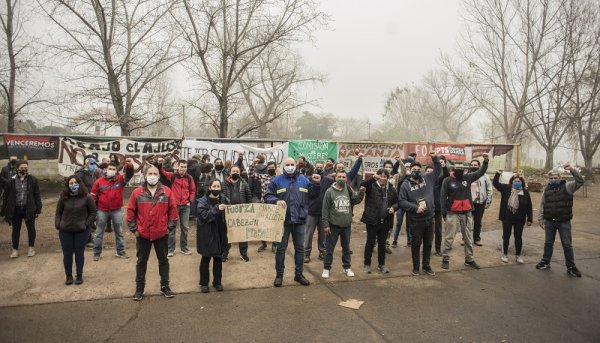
515, 211
211, 234
75, 213
237, 190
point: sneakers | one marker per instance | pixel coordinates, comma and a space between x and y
262, 247
478, 243
388, 250
428, 271
367, 269
96, 258
204, 289
122, 255
31, 252
225, 259
520, 259
573, 271
278, 281
394, 244
415, 272
472, 264
301, 280
504, 258
138, 296
69, 280
383, 269
219, 288
542, 265
166, 291
79, 280
306, 259
349, 272
325, 274
321, 256
245, 258
445, 264
186, 252
14, 253
438, 254
171, 254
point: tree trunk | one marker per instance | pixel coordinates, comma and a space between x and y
588, 171
223, 120
10, 97
262, 133
549, 158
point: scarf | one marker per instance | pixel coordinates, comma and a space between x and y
513, 200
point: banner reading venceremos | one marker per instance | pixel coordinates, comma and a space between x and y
34, 147
73, 151
374, 155
254, 222
312, 150
231, 151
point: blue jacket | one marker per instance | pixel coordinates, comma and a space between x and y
295, 191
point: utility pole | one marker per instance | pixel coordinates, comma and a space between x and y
183, 121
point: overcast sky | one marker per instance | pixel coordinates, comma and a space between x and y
375, 46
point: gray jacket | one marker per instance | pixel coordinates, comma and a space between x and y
485, 190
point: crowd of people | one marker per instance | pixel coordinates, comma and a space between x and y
316, 197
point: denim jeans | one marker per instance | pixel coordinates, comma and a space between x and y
117, 219
143, 253
564, 231
73, 243
398, 226
331, 241
184, 225
312, 223
17, 221
298, 231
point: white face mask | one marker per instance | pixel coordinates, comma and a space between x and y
152, 180
289, 169
111, 173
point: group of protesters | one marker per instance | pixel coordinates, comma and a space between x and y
318, 196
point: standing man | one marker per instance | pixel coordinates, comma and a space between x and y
437, 190
313, 221
87, 174
555, 214
417, 200
482, 192
290, 190
107, 192
22, 201
381, 201
151, 214
183, 190
8, 171
336, 219
457, 203
219, 173
264, 179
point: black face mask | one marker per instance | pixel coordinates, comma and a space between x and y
458, 173
319, 171
474, 169
215, 192
219, 167
13, 162
271, 171
234, 177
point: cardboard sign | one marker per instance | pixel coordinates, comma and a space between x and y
374, 155
254, 222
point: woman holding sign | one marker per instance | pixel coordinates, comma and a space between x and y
211, 234
237, 191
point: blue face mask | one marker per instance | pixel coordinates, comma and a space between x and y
74, 187
517, 184
92, 167
554, 183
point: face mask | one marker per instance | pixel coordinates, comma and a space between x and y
234, 177
22, 172
389, 170
92, 167
319, 171
416, 174
13, 162
458, 173
219, 167
289, 169
182, 171
474, 169
554, 182
517, 184
152, 180
74, 187
215, 192
340, 182
111, 173
271, 171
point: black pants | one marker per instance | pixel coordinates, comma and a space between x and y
217, 270
438, 231
422, 234
507, 228
376, 232
17, 221
73, 243
478, 210
331, 241
143, 252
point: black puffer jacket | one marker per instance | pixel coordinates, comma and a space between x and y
373, 198
211, 228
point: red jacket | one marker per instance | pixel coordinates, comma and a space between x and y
108, 193
183, 187
151, 217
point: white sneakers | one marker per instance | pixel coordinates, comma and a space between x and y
349, 272
325, 274
14, 253
31, 252
520, 259
504, 258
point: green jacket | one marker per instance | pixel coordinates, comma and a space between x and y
337, 206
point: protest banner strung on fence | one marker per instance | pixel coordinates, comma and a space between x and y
500, 150
312, 150
31, 147
452, 152
254, 222
374, 155
73, 151
479, 150
231, 151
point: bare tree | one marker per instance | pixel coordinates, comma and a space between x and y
227, 36
18, 56
401, 112
123, 47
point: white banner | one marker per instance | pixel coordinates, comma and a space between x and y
73, 152
230, 151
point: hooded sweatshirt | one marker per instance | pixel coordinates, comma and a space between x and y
412, 192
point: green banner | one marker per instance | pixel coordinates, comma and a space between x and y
312, 150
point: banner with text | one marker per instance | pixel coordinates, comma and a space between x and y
452, 152
254, 222
73, 151
312, 150
35, 147
374, 155
231, 151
